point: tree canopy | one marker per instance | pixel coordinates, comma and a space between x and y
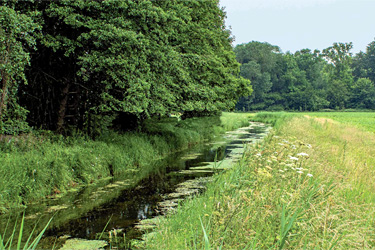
95, 60
16, 38
307, 80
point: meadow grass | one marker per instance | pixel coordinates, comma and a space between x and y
34, 166
363, 120
308, 185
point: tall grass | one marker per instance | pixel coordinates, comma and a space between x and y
309, 185
29, 244
36, 165
231, 121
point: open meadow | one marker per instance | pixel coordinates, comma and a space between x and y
364, 120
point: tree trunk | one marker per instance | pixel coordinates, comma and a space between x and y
62, 109
4, 93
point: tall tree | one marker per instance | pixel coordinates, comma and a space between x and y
363, 94
16, 39
310, 88
364, 63
137, 58
259, 65
338, 73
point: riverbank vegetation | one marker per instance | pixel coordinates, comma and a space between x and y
309, 185
41, 164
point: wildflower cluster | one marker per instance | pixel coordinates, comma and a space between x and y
284, 159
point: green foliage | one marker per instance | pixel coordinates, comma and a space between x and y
281, 81
339, 73
363, 94
17, 36
144, 58
259, 65
41, 164
306, 80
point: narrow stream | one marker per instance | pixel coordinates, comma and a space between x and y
114, 207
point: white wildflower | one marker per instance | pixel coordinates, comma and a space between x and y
259, 154
300, 172
309, 175
285, 141
303, 154
281, 144
281, 171
308, 145
294, 147
300, 169
293, 158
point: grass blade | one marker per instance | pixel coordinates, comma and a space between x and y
2, 246
207, 244
20, 234
37, 239
335, 243
286, 225
106, 225
10, 240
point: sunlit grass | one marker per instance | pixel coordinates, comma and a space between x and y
231, 121
309, 185
364, 120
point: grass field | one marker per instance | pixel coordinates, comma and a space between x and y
364, 120
309, 185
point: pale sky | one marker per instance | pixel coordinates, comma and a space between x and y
297, 24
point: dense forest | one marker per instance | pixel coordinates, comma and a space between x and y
89, 65
307, 80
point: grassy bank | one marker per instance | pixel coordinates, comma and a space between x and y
309, 185
36, 165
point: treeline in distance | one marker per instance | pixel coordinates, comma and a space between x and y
307, 80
